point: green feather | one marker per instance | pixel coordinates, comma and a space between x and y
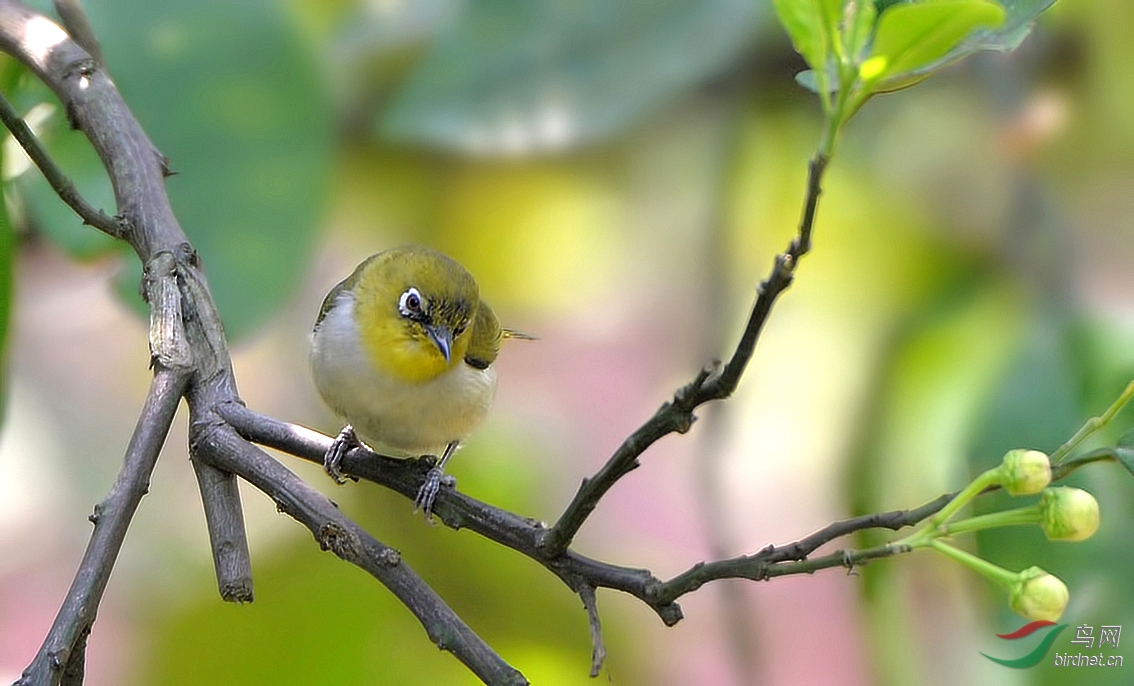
484, 338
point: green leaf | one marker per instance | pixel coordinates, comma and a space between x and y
808, 79
1020, 16
1019, 19
912, 36
882, 5
522, 76
806, 22
865, 15
230, 94
832, 12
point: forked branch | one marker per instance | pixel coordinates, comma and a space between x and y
191, 360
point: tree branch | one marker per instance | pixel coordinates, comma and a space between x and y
453, 508
219, 444
793, 558
55, 177
711, 383
457, 510
171, 288
62, 649
94, 106
228, 539
598, 646
186, 332
79, 27
583, 574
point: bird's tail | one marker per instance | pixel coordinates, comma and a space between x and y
512, 333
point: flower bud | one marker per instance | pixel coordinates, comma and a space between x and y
1025, 472
1038, 595
1068, 514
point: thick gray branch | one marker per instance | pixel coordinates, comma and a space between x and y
94, 105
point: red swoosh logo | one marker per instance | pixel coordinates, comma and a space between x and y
1027, 629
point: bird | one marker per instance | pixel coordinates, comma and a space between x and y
403, 351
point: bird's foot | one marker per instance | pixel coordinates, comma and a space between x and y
434, 479
343, 444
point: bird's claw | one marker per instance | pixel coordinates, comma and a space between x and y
434, 479
343, 444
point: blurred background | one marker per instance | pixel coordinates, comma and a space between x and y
618, 176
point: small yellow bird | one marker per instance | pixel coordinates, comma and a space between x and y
403, 351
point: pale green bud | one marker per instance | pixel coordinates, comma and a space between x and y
1068, 514
1038, 595
1025, 472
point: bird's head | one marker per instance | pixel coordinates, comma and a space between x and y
414, 308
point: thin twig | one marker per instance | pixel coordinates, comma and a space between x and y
79, 26
711, 383
62, 650
1092, 425
54, 175
598, 646
95, 106
1120, 454
453, 508
794, 558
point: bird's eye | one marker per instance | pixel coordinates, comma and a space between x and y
410, 303
460, 328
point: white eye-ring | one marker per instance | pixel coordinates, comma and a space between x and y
410, 303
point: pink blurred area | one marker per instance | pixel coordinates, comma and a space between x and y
57, 455
29, 601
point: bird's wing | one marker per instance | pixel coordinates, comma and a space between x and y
346, 284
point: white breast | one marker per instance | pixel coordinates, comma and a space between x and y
391, 415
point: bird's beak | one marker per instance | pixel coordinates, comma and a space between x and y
442, 337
